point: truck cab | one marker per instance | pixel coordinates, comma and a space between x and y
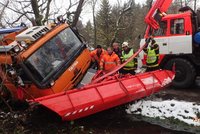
43, 60
174, 33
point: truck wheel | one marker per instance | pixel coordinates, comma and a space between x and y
185, 72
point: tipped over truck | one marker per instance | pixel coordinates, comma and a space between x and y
42, 60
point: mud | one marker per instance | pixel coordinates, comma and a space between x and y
114, 121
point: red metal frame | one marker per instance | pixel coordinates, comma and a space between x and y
77, 103
187, 24
159, 6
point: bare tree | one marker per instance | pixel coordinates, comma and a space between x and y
77, 13
38, 16
125, 9
195, 5
29, 8
2, 11
38, 12
94, 21
181, 3
69, 14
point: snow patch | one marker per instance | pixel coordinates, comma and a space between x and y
187, 112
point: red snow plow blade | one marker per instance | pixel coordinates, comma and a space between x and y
97, 97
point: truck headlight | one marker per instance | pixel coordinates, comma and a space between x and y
16, 49
23, 44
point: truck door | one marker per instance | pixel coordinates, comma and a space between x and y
180, 39
160, 35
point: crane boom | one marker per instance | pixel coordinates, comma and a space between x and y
157, 11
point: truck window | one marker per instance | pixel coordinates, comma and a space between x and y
177, 26
162, 30
53, 54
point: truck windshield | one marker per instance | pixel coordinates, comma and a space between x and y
51, 56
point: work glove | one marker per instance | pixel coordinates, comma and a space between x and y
148, 40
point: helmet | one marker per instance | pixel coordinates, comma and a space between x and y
125, 44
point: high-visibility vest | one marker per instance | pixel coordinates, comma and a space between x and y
151, 56
125, 57
109, 62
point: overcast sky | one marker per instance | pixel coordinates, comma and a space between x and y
87, 11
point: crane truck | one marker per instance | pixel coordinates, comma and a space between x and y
178, 37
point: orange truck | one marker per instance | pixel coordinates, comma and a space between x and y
42, 60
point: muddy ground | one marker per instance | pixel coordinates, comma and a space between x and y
114, 121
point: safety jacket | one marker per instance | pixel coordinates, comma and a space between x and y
96, 57
109, 62
152, 55
130, 65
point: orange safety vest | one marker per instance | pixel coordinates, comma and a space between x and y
109, 62
94, 56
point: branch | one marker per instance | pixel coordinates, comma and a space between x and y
47, 11
18, 19
124, 11
2, 12
42, 3
71, 5
45, 7
11, 8
78, 12
23, 1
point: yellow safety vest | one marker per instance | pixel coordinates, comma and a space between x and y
151, 56
126, 57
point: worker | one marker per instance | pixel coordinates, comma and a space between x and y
127, 52
109, 61
96, 56
152, 56
116, 49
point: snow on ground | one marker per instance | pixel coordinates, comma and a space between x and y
188, 112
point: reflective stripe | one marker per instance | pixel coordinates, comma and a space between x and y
110, 62
153, 65
79, 111
68, 114
129, 68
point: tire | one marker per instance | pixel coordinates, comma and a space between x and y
185, 72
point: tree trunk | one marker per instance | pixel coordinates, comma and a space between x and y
78, 12
181, 3
47, 12
185, 3
38, 17
195, 5
94, 21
